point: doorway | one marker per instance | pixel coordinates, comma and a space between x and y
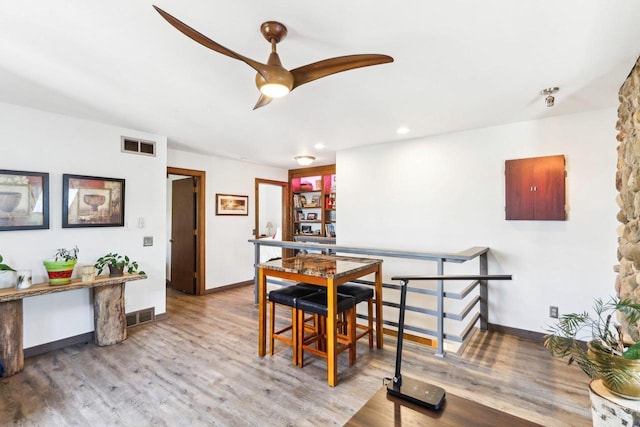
272, 213
186, 230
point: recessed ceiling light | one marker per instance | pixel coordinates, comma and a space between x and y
319, 146
403, 130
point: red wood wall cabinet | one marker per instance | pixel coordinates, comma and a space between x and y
535, 188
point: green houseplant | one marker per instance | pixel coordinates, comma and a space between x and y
4, 267
598, 347
117, 264
60, 268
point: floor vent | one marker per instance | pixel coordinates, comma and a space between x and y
137, 146
141, 317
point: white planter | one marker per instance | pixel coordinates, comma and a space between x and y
609, 410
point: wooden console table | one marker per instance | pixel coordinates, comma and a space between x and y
109, 319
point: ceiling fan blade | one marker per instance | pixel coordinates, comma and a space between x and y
262, 101
207, 42
311, 72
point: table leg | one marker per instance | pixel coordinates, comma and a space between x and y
379, 331
262, 312
332, 302
109, 318
11, 352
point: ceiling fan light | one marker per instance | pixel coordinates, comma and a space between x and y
274, 90
304, 160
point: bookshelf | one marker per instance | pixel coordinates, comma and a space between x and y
313, 204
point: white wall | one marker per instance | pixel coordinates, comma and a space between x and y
270, 208
33, 140
229, 255
446, 193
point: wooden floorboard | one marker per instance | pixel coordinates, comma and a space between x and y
200, 367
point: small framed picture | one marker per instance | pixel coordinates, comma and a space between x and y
300, 216
90, 201
231, 204
330, 230
312, 216
24, 200
305, 229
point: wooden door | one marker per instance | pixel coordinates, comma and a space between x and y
549, 178
519, 203
183, 235
535, 188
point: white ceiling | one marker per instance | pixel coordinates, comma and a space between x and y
459, 64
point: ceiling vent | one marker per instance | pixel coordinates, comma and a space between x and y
137, 146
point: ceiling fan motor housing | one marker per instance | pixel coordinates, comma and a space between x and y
274, 74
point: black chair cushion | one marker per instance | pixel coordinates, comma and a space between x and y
317, 303
359, 292
289, 294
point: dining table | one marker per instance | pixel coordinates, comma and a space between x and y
329, 271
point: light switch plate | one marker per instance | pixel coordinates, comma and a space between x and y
147, 241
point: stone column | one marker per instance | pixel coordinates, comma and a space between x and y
628, 185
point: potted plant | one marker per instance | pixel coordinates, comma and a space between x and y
4, 267
598, 347
117, 264
60, 268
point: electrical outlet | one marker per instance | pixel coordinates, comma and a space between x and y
553, 311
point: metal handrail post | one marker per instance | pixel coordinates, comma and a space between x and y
440, 309
484, 293
256, 252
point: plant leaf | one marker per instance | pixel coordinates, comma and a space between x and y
632, 352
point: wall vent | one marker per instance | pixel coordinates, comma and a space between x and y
141, 317
137, 146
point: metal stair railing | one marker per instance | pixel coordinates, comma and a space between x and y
440, 258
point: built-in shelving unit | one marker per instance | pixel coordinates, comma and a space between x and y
313, 204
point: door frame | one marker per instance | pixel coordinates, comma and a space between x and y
200, 181
285, 204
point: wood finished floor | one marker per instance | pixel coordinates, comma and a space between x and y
199, 366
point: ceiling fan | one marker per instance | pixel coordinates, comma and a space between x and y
272, 79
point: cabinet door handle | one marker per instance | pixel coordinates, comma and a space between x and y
535, 188
531, 188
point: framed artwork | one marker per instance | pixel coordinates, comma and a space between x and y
312, 216
89, 201
24, 200
231, 204
330, 230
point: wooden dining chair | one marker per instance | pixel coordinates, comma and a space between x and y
287, 296
315, 342
361, 293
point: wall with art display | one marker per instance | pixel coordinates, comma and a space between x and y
42, 142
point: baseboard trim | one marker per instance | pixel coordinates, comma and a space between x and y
78, 339
227, 287
57, 345
520, 333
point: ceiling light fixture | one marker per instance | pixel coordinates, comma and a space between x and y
403, 130
548, 92
274, 90
319, 146
304, 160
